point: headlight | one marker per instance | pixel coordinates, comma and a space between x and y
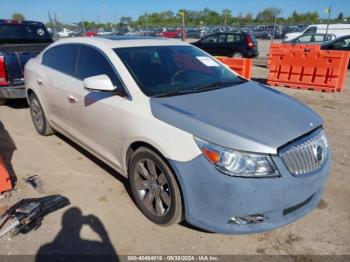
236, 163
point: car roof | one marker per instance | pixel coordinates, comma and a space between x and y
315, 34
122, 41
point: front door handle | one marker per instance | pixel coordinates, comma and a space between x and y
40, 82
72, 99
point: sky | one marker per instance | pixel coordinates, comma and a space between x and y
69, 11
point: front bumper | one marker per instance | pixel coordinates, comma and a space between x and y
12, 92
211, 199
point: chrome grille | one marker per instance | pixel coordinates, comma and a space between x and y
306, 156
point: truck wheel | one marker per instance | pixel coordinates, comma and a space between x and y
40, 122
2, 101
237, 55
154, 188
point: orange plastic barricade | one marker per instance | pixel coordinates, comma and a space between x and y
5, 181
288, 47
319, 70
242, 66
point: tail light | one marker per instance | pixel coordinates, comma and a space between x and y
3, 75
250, 41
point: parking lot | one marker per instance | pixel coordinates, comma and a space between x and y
101, 205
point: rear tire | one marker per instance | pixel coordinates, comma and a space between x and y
40, 122
154, 188
237, 54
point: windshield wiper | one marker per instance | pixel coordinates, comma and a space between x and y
210, 86
215, 85
173, 92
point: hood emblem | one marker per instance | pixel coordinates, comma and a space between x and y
318, 153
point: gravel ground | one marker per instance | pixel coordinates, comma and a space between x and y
102, 218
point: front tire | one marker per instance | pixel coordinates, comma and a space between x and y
154, 188
40, 122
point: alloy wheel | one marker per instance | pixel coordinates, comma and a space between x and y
152, 187
37, 114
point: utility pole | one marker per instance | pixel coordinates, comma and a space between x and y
274, 29
82, 24
182, 13
328, 10
55, 19
146, 24
52, 24
115, 22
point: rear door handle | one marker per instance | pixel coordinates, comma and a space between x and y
72, 99
40, 82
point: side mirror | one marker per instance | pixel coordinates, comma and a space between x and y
99, 82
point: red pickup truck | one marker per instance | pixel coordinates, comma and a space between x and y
19, 42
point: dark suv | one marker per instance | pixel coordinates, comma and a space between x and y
229, 44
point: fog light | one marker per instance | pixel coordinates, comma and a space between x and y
250, 219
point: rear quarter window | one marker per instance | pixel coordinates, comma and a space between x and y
234, 38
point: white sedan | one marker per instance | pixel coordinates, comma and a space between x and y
196, 141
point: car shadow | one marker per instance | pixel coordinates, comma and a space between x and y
122, 179
69, 246
7, 148
17, 103
189, 226
260, 80
99, 162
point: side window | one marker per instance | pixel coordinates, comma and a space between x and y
319, 38
210, 39
222, 39
92, 63
311, 30
46, 57
62, 58
304, 39
234, 38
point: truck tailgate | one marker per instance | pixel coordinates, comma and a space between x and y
16, 56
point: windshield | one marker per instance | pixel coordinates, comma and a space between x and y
171, 70
23, 33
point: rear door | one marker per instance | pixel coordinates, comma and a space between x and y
209, 44
59, 62
222, 46
235, 44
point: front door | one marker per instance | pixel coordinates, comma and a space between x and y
94, 115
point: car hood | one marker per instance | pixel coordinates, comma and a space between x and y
248, 117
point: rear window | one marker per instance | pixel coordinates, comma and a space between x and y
311, 30
24, 33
